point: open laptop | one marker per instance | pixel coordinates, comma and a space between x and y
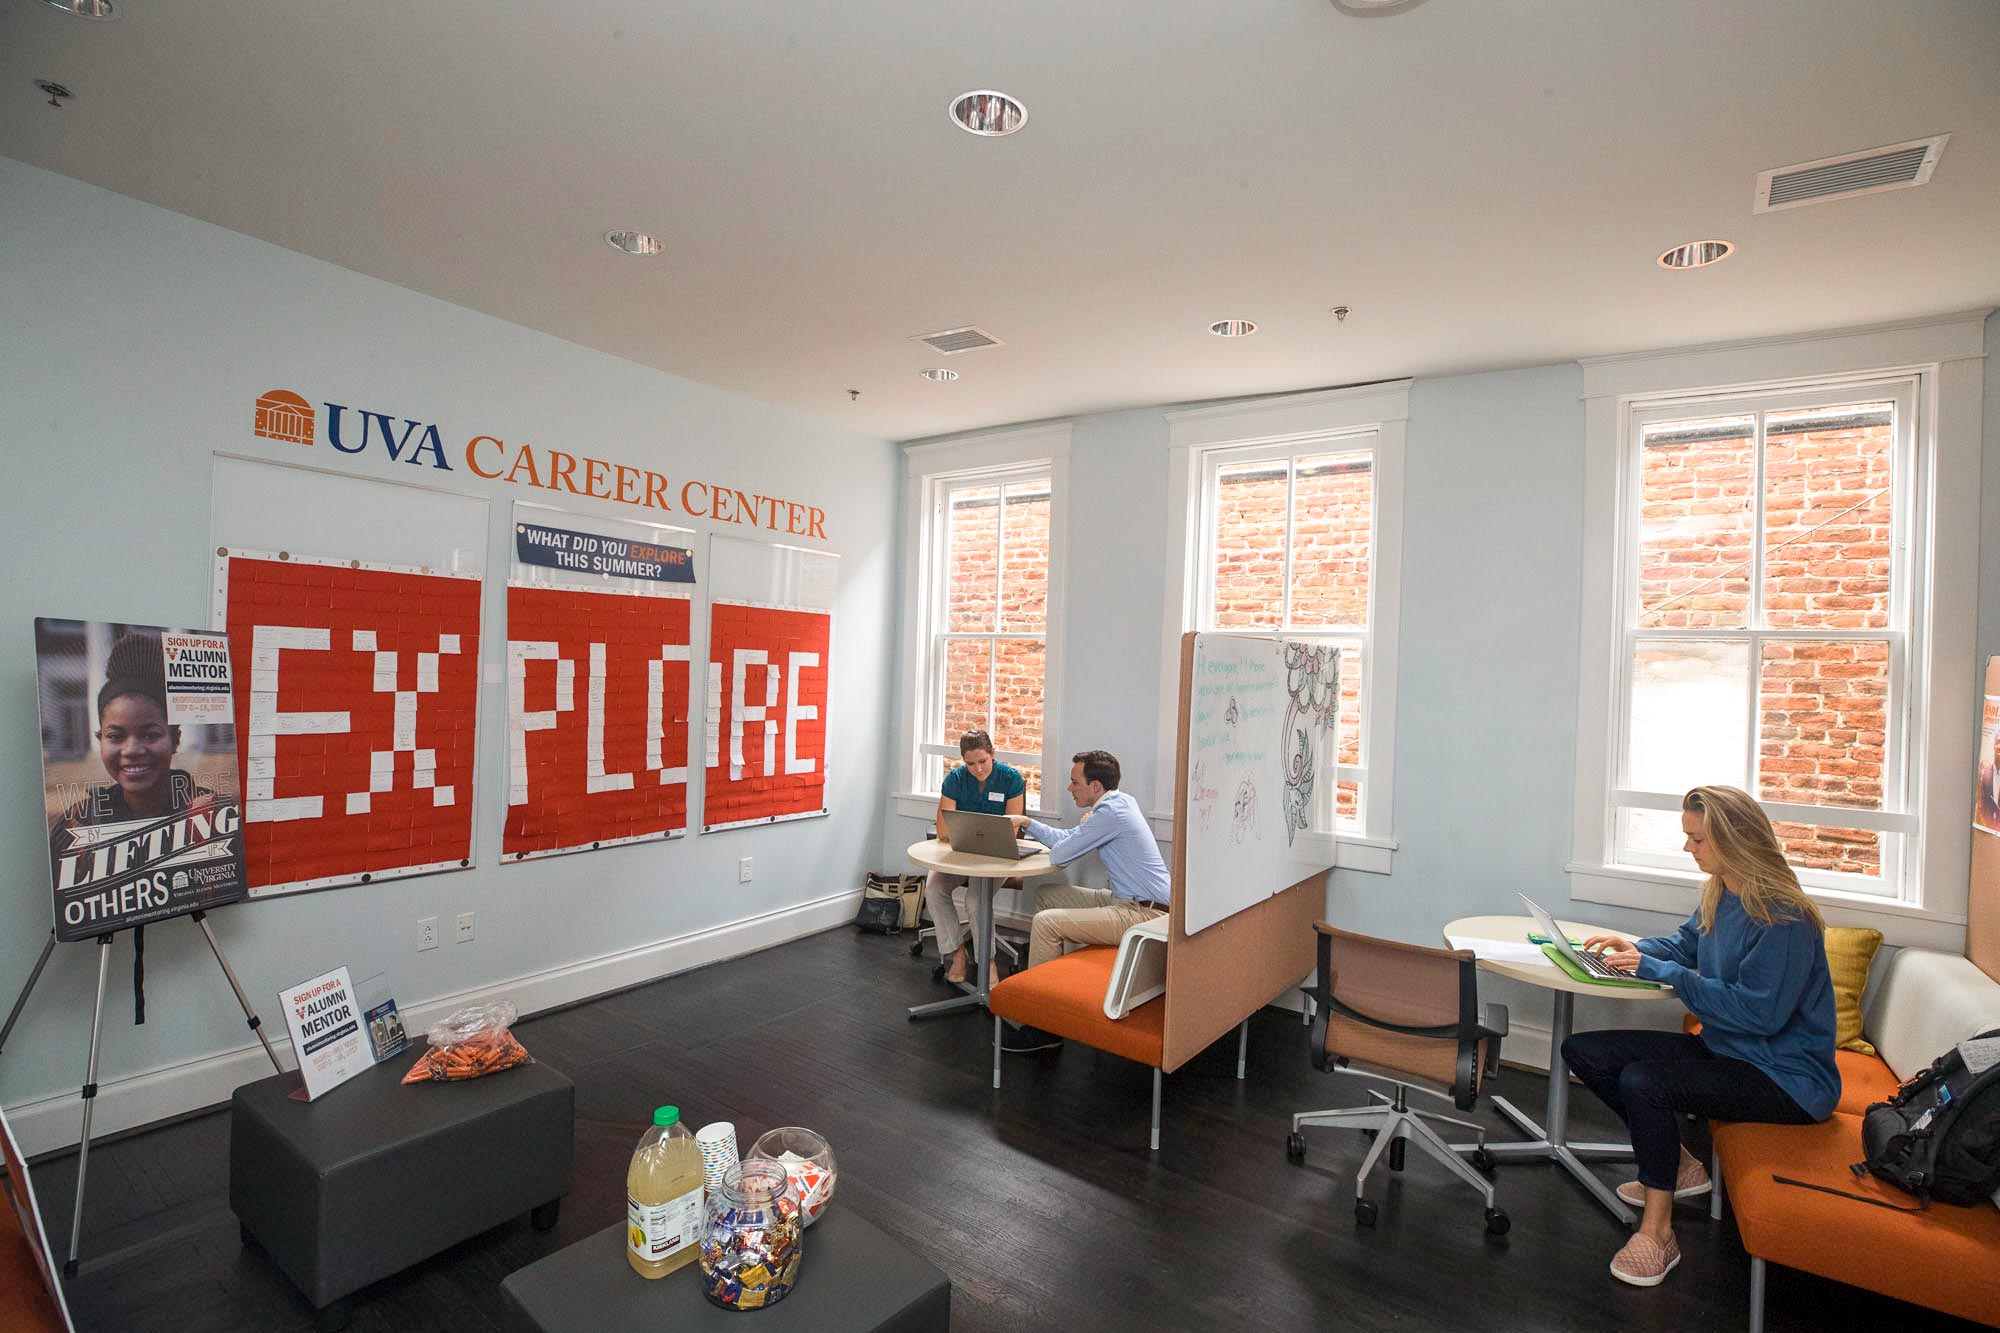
986, 835
1589, 960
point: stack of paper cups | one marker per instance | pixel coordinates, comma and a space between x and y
717, 1142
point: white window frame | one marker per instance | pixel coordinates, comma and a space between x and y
1202, 439
1943, 357
931, 471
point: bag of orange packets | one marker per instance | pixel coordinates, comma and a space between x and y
470, 1043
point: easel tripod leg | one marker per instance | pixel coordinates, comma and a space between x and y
14, 1014
250, 1015
89, 1102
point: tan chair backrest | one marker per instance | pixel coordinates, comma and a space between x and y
1407, 985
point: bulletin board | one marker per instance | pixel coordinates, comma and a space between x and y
1260, 735
1982, 908
353, 607
770, 658
598, 683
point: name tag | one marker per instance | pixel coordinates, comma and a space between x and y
997, 796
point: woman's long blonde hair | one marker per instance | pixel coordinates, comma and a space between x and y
1740, 833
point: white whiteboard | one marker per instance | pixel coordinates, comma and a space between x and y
1260, 745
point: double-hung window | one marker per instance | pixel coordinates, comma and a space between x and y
1768, 595
1777, 598
978, 648
1293, 533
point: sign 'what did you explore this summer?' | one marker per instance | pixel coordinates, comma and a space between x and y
593, 553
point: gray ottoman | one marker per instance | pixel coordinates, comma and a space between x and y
375, 1175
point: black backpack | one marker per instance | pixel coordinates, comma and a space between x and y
1939, 1136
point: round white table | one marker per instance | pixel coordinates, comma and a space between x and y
1550, 1141
985, 875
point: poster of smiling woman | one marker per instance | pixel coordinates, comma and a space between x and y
139, 765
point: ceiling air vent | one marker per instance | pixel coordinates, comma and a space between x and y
1896, 167
953, 341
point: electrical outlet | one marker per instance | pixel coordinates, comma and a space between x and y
427, 933
464, 927
743, 871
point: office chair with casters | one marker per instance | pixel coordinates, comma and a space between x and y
1409, 1017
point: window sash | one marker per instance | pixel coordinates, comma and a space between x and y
1897, 824
1351, 639
938, 560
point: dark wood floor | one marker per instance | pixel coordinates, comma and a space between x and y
1040, 1200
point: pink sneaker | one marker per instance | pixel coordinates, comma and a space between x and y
1691, 1182
1644, 1262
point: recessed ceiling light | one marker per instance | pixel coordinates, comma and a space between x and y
86, 9
987, 113
635, 242
939, 375
1695, 254
1232, 328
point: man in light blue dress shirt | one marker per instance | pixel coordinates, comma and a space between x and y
1116, 829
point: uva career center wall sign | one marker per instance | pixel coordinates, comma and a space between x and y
288, 418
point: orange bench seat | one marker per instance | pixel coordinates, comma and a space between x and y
1947, 1258
1066, 996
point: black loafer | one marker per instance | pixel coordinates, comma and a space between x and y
1022, 1039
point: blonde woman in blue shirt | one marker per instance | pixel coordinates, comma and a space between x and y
1751, 965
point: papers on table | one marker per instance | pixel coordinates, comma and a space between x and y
1518, 952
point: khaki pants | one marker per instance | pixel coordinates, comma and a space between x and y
945, 894
1071, 915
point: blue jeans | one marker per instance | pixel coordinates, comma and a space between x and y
1651, 1078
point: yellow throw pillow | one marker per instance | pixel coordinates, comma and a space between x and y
1849, 953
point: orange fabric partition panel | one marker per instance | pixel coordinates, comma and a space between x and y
25, 1307
1982, 908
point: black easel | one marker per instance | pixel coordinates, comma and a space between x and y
89, 1093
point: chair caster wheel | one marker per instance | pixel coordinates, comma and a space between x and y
917, 949
1496, 1222
1295, 1148
1365, 1212
1482, 1160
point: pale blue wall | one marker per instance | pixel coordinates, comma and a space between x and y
1486, 726
136, 343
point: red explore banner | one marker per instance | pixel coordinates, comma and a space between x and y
767, 699
356, 698
597, 719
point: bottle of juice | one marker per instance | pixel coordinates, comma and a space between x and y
663, 1197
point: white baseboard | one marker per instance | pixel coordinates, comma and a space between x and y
49, 1124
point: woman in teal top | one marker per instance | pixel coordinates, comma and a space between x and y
1751, 965
988, 787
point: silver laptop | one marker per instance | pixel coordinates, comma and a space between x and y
1589, 960
986, 835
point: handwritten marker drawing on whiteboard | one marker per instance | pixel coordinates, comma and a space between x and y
1315, 694
1246, 824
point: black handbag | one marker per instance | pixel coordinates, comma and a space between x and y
880, 916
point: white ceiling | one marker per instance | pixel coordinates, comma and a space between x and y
1484, 182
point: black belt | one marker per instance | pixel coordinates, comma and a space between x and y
1142, 902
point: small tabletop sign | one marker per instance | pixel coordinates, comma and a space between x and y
385, 1032
326, 1031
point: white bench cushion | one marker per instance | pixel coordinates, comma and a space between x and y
1923, 1003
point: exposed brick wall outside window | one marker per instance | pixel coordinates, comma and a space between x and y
1332, 497
1821, 720
1007, 608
